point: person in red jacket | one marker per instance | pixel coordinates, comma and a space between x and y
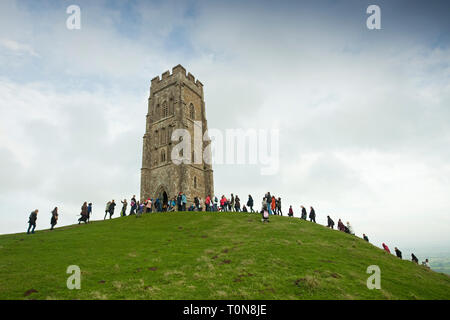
386, 248
208, 203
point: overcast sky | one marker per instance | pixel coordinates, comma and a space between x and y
363, 114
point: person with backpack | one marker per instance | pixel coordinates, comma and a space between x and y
312, 215
84, 213
107, 209
250, 203
54, 219
32, 221
330, 222
398, 253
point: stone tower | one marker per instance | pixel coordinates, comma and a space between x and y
176, 101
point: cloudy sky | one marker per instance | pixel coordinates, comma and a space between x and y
363, 115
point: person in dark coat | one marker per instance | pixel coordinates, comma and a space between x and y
414, 258
84, 213
112, 206
312, 215
398, 253
237, 204
365, 237
32, 221
179, 202
54, 219
303, 213
250, 203
330, 223
278, 203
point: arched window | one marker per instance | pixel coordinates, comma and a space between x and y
165, 110
192, 112
195, 182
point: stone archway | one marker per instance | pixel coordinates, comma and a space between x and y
161, 193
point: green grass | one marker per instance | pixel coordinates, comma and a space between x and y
192, 255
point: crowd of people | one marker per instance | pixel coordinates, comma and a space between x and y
270, 205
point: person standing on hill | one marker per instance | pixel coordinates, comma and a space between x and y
350, 228
312, 215
414, 258
84, 213
291, 212
341, 226
398, 253
54, 218
279, 206
183, 202
107, 209
32, 221
237, 204
148, 205
386, 248
216, 201
89, 211
273, 206
208, 203
268, 202
123, 213
330, 223
112, 207
179, 202
304, 214
365, 237
231, 203
133, 205
250, 203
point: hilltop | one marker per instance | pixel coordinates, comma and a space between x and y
193, 255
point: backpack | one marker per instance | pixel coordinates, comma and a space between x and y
266, 214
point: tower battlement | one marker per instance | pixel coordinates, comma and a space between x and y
178, 72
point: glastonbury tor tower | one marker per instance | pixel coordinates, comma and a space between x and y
176, 101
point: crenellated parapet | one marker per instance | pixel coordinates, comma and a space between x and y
178, 75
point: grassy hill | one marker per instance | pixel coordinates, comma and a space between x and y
192, 255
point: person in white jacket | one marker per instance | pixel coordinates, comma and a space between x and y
350, 228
